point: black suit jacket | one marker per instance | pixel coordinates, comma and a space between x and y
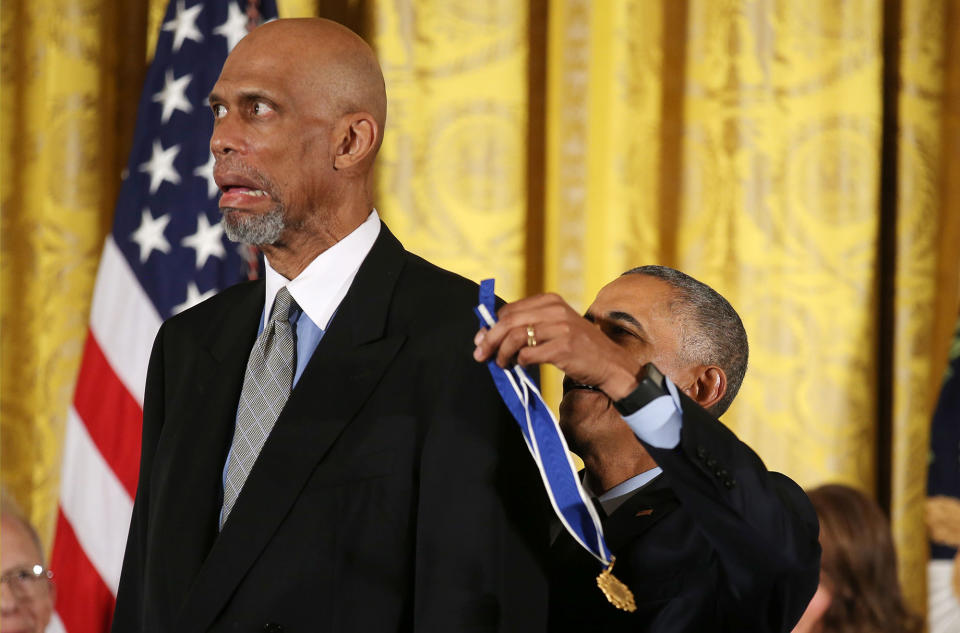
715, 543
394, 493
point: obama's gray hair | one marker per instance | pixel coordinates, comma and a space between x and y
711, 332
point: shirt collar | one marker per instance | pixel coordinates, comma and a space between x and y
321, 286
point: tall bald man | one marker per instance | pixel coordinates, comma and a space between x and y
320, 452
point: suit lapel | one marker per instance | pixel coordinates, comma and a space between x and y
639, 513
198, 430
346, 366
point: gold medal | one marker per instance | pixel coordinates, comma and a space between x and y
616, 592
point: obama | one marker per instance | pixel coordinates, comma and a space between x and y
704, 535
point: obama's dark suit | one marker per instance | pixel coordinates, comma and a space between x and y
716, 543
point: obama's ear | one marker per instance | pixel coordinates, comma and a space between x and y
709, 386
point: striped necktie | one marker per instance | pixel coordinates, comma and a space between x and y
266, 387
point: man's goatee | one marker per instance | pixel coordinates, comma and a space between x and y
253, 229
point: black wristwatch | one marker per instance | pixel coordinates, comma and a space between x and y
651, 386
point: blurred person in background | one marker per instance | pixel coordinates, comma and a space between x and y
26, 592
859, 590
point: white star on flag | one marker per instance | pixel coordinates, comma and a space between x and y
173, 96
206, 171
207, 241
184, 25
193, 298
234, 28
150, 234
160, 166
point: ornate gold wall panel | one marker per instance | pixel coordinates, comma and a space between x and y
451, 173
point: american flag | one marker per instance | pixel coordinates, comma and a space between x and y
166, 253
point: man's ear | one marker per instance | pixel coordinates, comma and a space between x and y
357, 135
709, 386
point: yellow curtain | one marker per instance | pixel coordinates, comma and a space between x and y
64, 98
927, 256
451, 173
740, 141
712, 141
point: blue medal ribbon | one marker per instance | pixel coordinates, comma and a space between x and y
546, 443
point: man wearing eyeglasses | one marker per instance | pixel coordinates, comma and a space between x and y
26, 592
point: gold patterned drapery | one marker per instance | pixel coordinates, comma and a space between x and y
927, 246
451, 171
798, 156
733, 154
69, 94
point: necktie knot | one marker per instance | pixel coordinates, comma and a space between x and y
283, 305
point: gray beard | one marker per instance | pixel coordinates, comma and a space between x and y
255, 229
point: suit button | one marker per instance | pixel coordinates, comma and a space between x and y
272, 627
721, 473
701, 453
730, 483
711, 463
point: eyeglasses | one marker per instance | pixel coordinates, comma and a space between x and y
27, 581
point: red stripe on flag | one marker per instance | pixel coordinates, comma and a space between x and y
112, 417
84, 602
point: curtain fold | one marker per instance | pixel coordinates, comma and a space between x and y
451, 174
612, 138
927, 253
780, 184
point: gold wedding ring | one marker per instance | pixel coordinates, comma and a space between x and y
531, 337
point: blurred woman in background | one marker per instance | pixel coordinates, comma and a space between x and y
859, 591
